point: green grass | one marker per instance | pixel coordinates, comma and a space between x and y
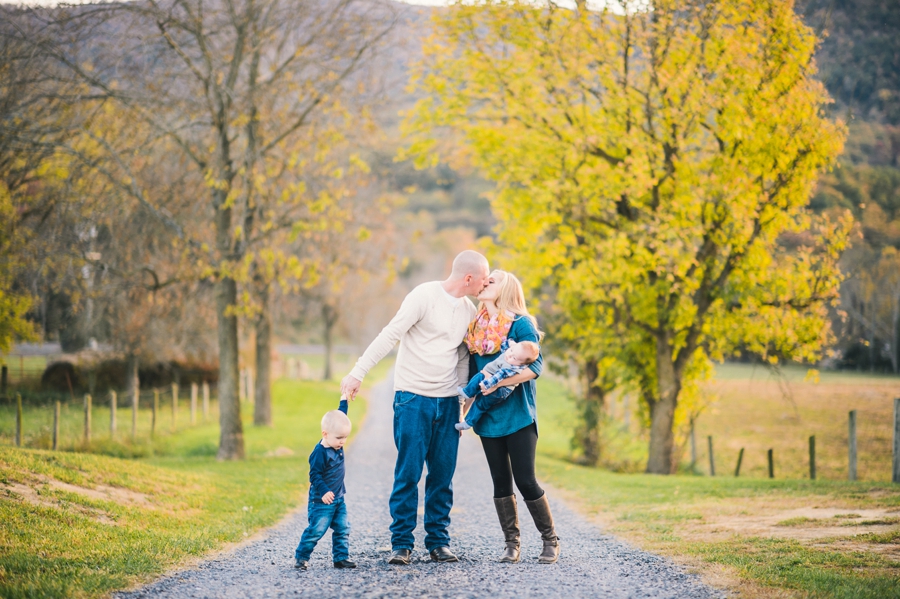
21, 368
678, 515
148, 515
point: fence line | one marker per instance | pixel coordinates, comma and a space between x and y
863, 433
81, 424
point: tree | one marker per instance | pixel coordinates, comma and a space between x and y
31, 121
345, 260
226, 86
13, 306
650, 161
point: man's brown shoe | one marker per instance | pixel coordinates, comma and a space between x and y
400, 557
442, 554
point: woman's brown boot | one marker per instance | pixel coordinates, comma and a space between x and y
509, 522
543, 520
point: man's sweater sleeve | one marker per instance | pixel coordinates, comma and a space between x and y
317, 473
410, 312
462, 367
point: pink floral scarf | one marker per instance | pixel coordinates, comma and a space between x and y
486, 333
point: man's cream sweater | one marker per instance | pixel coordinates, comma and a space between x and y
430, 326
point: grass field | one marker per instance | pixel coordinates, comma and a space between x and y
757, 411
82, 525
785, 537
21, 368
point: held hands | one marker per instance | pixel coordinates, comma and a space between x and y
350, 387
328, 497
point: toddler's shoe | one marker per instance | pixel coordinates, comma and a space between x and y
462, 394
344, 564
462, 426
301, 565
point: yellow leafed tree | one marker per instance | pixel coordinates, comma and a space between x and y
651, 159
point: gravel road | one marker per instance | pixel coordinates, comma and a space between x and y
592, 564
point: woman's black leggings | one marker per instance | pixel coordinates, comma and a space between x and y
512, 457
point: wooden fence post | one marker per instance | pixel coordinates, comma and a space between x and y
113, 399
851, 446
153, 412
174, 405
193, 404
812, 457
205, 401
87, 418
135, 400
18, 420
771, 458
896, 470
737, 469
712, 462
4, 377
693, 446
56, 426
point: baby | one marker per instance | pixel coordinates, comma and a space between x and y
326, 507
515, 357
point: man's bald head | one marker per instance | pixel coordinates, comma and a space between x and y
469, 263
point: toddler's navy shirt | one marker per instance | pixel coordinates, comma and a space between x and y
326, 469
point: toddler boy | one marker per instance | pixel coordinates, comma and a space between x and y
326, 506
514, 358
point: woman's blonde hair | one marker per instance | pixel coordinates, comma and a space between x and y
512, 298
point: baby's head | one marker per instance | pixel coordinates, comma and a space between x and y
335, 429
523, 353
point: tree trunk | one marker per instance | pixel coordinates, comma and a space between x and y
231, 435
231, 431
329, 318
588, 432
662, 411
262, 411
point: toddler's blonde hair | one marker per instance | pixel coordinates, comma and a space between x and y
334, 420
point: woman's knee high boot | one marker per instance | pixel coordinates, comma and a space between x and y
509, 522
543, 520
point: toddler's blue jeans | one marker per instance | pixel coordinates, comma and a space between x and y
321, 518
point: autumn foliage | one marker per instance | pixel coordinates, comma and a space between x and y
650, 160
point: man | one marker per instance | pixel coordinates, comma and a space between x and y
431, 364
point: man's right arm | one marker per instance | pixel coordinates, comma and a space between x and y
410, 312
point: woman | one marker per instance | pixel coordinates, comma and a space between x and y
508, 431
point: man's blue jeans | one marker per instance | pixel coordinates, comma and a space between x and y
424, 434
321, 518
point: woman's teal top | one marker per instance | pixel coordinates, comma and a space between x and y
519, 410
